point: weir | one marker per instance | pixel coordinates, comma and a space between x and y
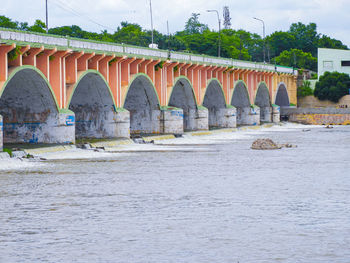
55, 89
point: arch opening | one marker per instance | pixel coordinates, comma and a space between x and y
262, 99
143, 104
240, 100
182, 96
214, 101
94, 108
29, 110
282, 98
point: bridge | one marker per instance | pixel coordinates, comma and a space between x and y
55, 89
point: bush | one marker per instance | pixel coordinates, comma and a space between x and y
305, 89
332, 86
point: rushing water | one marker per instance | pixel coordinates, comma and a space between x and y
207, 199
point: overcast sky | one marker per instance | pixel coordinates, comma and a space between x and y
331, 16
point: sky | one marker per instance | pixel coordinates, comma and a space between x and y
331, 16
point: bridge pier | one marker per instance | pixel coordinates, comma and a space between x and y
248, 115
172, 120
223, 117
1, 134
276, 113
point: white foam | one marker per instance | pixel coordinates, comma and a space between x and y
18, 164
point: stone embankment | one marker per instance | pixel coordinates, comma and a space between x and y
318, 116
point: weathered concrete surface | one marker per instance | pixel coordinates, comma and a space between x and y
30, 114
1, 134
142, 103
122, 119
276, 118
201, 119
94, 109
214, 101
282, 98
172, 121
313, 102
262, 100
227, 117
318, 116
248, 115
182, 96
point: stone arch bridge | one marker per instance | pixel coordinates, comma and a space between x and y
55, 89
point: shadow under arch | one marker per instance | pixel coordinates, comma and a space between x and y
262, 99
240, 100
282, 98
92, 102
182, 96
214, 100
29, 108
142, 102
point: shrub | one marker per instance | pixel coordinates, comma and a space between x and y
332, 86
305, 89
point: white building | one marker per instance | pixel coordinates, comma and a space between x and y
333, 60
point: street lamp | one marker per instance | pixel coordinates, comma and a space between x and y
262, 21
47, 19
150, 9
219, 46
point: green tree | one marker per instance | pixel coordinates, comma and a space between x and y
8, 23
332, 86
280, 41
297, 58
306, 37
327, 42
193, 26
39, 26
305, 90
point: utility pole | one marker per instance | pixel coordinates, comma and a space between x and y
47, 19
219, 46
150, 8
262, 21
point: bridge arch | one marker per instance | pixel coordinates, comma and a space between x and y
183, 96
215, 101
29, 107
240, 100
282, 97
262, 99
92, 102
142, 101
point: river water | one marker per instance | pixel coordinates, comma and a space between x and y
193, 199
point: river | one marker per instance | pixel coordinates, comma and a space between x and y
194, 199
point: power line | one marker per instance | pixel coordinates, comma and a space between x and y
67, 8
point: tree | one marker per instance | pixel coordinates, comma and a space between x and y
305, 89
280, 41
327, 42
39, 26
306, 37
193, 26
297, 58
332, 86
8, 23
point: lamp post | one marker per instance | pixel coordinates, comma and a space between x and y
47, 19
219, 45
150, 9
262, 21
